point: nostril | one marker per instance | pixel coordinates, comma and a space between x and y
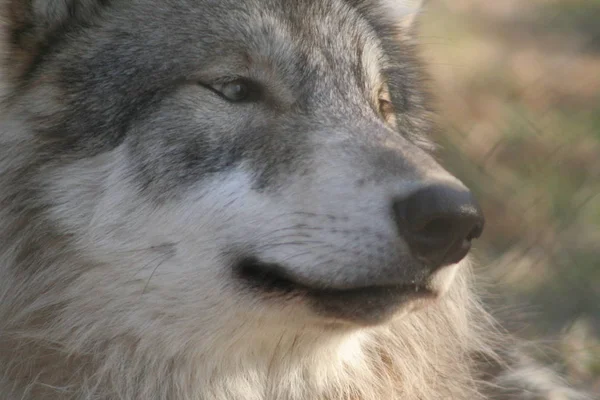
476, 232
437, 228
439, 222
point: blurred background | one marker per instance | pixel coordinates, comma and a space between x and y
518, 89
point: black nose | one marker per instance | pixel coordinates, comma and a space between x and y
439, 222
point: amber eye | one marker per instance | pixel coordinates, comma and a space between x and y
236, 91
386, 107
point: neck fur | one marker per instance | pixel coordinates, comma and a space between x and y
424, 355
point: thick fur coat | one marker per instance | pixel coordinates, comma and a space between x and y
134, 187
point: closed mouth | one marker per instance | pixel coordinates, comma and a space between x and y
274, 278
368, 302
267, 277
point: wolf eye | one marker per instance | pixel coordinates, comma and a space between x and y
387, 111
386, 107
236, 91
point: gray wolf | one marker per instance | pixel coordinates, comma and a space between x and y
211, 200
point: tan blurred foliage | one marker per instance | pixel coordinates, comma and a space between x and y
518, 84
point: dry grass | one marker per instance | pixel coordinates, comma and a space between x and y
519, 89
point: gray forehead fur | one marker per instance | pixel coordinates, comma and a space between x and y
134, 59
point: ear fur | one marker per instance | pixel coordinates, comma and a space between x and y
402, 11
27, 27
31, 22
405, 11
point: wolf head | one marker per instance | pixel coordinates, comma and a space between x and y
205, 172
255, 156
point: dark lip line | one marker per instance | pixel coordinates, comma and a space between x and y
408, 291
274, 278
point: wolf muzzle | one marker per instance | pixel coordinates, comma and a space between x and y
439, 223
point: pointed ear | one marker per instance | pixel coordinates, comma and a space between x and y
27, 27
404, 12
31, 22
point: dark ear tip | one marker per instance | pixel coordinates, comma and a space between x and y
30, 21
